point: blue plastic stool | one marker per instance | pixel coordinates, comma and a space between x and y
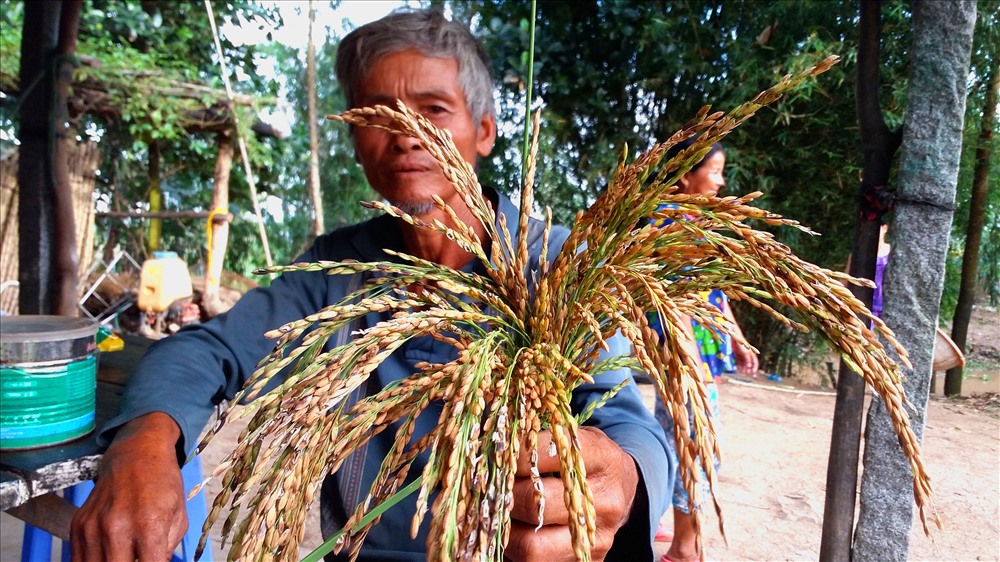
37, 544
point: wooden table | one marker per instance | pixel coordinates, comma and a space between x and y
29, 479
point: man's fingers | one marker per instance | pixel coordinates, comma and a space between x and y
116, 547
525, 508
544, 545
177, 531
612, 477
159, 544
84, 546
547, 460
152, 548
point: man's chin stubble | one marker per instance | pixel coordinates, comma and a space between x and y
415, 208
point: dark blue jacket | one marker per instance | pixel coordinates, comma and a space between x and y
189, 373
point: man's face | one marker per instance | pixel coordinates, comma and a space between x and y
398, 167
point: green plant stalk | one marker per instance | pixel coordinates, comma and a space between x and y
327, 546
526, 143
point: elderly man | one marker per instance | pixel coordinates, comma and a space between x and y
438, 68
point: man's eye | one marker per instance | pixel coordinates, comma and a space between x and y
435, 110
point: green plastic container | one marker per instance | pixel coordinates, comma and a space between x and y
48, 378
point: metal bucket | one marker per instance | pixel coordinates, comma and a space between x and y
48, 379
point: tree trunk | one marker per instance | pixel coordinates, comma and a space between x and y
974, 234
47, 238
36, 213
66, 253
879, 144
84, 159
315, 195
914, 278
218, 231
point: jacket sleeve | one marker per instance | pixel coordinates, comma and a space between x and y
626, 420
189, 373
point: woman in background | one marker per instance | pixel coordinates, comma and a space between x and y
717, 350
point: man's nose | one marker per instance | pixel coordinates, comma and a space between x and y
402, 143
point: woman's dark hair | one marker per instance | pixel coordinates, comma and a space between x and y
675, 150
684, 144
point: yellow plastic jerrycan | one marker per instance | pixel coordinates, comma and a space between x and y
163, 280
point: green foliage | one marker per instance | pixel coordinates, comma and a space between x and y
145, 55
646, 68
613, 74
608, 74
342, 181
11, 18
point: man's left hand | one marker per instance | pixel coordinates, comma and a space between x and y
612, 476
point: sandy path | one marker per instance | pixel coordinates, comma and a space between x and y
773, 479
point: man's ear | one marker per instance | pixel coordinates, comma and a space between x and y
486, 135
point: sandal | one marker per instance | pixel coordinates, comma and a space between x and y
666, 558
663, 534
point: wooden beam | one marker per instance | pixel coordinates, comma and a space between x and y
66, 261
92, 98
220, 217
50, 513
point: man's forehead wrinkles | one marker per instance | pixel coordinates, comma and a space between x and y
421, 96
435, 93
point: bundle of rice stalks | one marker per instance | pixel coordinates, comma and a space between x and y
525, 340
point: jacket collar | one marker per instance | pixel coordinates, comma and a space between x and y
383, 232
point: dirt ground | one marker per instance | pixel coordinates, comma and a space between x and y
773, 477
776, 439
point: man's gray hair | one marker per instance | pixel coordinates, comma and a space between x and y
429, 32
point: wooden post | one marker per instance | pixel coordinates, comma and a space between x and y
36, 214
315, 195
218, 231
66, 255
880, 144
155, 198
84, 160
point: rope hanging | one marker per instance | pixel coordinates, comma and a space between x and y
239, 136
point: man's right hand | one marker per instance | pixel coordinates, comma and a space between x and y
137, 509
